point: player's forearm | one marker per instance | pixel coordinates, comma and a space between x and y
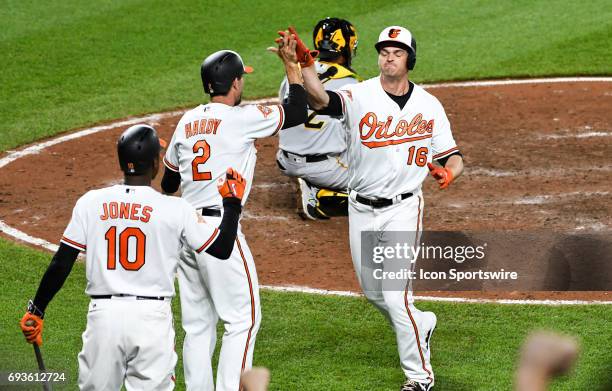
223, 245
55, 276
455, 165
295, 108
294, 75
317, 96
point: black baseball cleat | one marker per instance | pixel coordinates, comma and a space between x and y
411, 385
307, 204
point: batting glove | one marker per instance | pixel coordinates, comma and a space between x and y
233, 186
442, 175
305, 56
32, 324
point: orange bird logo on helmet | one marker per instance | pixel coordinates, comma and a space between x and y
393, 33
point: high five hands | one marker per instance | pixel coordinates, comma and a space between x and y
292, 48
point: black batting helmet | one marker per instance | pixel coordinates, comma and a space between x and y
219, 70
334, 37
138, 147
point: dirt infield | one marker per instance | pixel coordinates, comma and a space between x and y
538, 156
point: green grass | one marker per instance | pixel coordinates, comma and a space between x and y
67, 63
313, 342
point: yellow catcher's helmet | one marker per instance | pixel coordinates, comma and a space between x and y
334, 37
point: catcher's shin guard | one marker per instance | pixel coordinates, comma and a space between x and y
332, 203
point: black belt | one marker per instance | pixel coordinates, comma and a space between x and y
124, 295
211, 212
379, 202
307, 158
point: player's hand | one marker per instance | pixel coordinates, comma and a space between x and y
286, 49
255, 379
543, 356
304, 55
233, 186
32, 327
442, 175
548, 353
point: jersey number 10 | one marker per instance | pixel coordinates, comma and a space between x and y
124, 239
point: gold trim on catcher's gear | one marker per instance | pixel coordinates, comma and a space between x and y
332, 203
341, 71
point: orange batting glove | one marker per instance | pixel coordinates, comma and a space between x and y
32, 327
442, 175
305, 56
233, 186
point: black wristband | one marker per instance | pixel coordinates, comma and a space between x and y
34, 310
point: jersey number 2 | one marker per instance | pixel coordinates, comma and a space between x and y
124, 239
203, 148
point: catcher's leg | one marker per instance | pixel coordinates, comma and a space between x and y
330, 181
321, 186
199, 321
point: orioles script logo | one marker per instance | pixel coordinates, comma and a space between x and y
376, 134
393, 33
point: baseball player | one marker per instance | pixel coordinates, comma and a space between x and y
207, 140
395, 130
315, 152
132, 236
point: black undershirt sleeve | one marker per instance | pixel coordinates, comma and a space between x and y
223, 245
171, 181
334, 107
295, 106
55, 276
444, 160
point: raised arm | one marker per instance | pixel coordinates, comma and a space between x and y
295, 108
317, 96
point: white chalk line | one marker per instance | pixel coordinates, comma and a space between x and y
325, 292
506, 82
38, 147
579, 135
476, 171
538, 199
548, 198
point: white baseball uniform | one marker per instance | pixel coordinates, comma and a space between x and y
207, 141
320, 135
388, 152
132, 236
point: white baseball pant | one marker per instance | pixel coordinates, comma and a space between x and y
128, 340
410, 324
212, 289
